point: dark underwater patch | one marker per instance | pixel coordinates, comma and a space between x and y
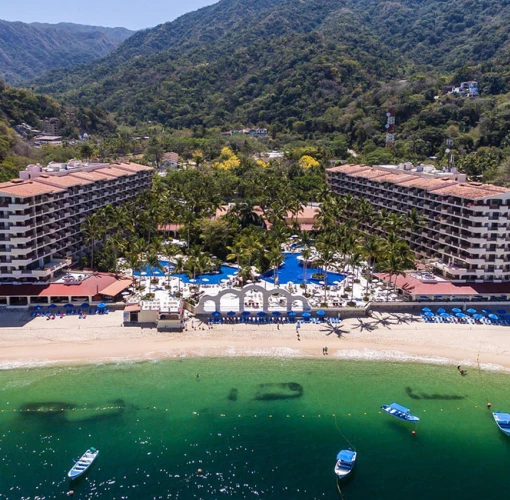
233, 394
424, 395
273, 392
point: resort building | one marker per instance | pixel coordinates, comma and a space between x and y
465, 233
41, 213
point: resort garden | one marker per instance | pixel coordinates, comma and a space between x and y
246, 217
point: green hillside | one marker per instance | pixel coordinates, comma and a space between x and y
312, 69
28, 50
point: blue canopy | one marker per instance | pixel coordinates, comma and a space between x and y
101, 305
501, 311
478, 316
493, 316
471, 311
320, 312
276, 313
231, 313
395, 406
245, 313
261, 313
345, 455
441, 310
486, 311
52, 306
216, 314
444, 315
292, 314
461, 315
427, 309
306, 315
429, 314
85, 304
70, 305
37, 308
456, 310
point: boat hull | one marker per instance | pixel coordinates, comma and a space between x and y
405, 417
503, 422
83, 464
343, 467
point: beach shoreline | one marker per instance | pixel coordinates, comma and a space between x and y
32, 342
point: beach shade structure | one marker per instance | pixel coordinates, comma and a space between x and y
456, 310
320, 312
493, 316
478, 316
53, 306
101, 305
261, 314
460, 315
216, 314
486, 311
427, 310
245, 313
292, 314
85, 304
444, 315
471, 311
276, 313
306, 315
441, 310
501, 311
68, 306
429, 314
231, 313
37, 308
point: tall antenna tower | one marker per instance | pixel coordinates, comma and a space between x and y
390, 127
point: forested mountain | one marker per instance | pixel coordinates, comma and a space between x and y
311, 68
28, 50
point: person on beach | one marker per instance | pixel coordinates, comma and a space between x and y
461, 371
326, 351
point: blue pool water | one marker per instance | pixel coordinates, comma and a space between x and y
225, 273
292, 270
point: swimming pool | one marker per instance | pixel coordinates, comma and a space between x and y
292, 270
225, 273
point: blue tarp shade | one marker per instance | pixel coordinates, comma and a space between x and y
320, 312
306, 315
245, 313
456, 310
345, 456
292, 314
395, 406
231, 313
216, 314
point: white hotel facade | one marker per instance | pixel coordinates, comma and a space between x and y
466, 231
41, 213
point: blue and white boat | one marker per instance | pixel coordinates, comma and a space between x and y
400, 412
81, 465
344, 463
503, 421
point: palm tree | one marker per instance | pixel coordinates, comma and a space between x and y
371, 247
92, 229
179, 268
170, 251
306, 253
397, 258
326, 245
116, 242
275, 257
152, 261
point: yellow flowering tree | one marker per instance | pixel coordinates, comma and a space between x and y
227, 160
307, 162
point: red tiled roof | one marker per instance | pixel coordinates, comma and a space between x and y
116, 287
26, 189
90, 286
348, 169
472, 191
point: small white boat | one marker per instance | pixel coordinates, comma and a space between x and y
400, 412
344, 463
81, 465
503, 421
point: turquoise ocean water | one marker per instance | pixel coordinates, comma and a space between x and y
257, 428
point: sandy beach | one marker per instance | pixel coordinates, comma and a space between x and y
26, 341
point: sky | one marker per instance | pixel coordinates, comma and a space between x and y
132, 14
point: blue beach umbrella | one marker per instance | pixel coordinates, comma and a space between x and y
493, 316
292, 314
486, 311
37, 308
456, 310
460, 315
231, 313
85, 304
441, 310
429, 314
501, 311
306, 315
444, 315
67, 306
245, 313
216, 314
101, 305
261, 313
478, 316
320, 312
427, 309
471, 311
276, 313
